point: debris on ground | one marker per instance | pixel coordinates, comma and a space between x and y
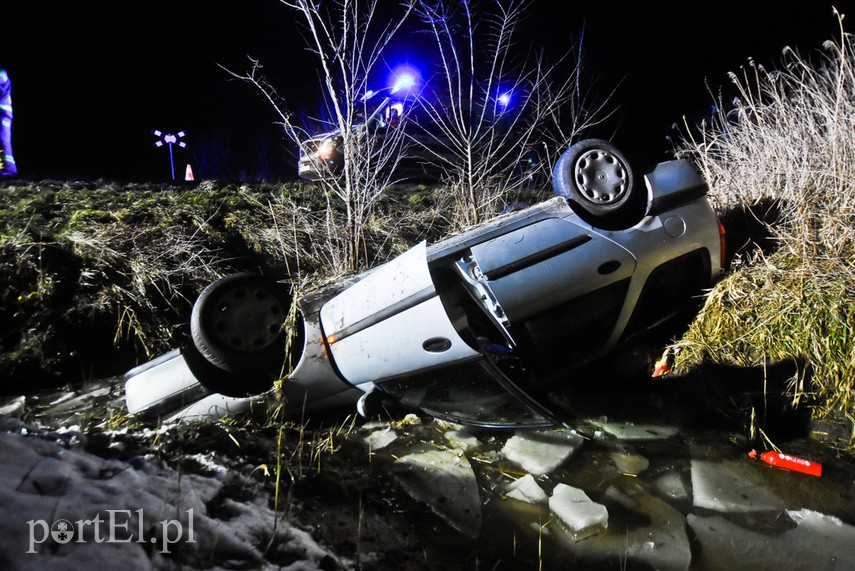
788, 462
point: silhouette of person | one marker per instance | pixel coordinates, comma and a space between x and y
7, 158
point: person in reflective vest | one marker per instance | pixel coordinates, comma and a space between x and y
7, 158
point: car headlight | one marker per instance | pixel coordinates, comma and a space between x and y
326, 148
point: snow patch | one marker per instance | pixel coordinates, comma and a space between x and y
13, 407
42, 480
380, 439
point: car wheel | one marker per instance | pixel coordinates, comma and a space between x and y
230, 383
597, 180
237, 323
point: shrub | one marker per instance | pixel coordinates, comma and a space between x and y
786, 146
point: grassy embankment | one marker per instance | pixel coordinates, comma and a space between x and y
96, 277
783, 155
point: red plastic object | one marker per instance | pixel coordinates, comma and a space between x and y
662, 367
789, 462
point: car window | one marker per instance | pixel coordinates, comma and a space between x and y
470, 392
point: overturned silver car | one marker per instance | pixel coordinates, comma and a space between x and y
463, 329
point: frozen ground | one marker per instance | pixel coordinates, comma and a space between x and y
405, 494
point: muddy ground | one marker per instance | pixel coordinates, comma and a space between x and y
344, 493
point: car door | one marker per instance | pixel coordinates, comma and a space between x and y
391, 322
540, 266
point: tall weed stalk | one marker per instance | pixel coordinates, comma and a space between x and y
787, 138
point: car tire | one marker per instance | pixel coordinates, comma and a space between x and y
237, 323
229, 383
598, 181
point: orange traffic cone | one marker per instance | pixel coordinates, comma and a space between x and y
188, 173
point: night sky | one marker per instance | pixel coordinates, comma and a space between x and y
91, 79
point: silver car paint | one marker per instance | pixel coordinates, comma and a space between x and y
378, 327
396, 339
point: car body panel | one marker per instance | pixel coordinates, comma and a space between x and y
463, 328
391, 322
161, 384
314, 378
654, 244
549, 262
403, 280
672, 182
415, 339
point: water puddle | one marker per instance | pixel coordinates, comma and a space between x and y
610, 493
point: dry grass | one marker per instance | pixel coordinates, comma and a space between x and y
787, 139
100, 273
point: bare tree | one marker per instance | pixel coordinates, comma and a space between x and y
348, 40
495, 118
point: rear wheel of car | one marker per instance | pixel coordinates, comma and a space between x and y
238, 323
598, 181
230, 383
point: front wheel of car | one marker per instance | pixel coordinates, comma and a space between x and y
238, 323
598, 181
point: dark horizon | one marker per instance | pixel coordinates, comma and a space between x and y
89, 83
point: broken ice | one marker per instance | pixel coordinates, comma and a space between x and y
526, 489
540, 452
577, 511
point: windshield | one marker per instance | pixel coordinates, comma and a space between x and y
474, 392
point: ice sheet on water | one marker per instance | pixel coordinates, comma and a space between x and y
663, 544
725, 487
630, 431
526, 489
576, 509
214, 407
671, 485
817, 542
445, 481
539, 452
629, 463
